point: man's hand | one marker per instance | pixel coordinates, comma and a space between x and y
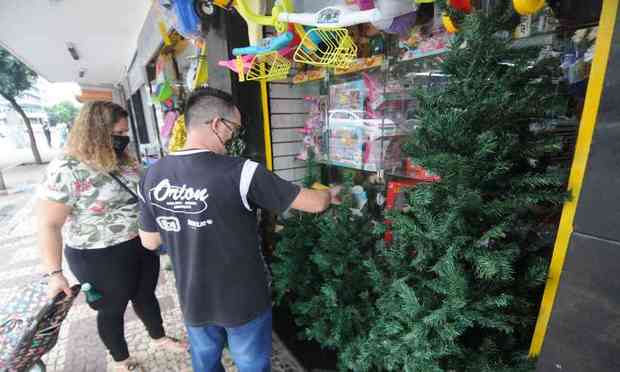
334, 195
316, 201
57, 283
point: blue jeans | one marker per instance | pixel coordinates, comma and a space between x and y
249, 344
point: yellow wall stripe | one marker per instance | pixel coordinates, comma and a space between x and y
586, 129
264, 99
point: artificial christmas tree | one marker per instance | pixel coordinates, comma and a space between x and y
458, 287
318, 271
480, 237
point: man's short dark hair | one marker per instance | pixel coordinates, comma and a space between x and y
205, 104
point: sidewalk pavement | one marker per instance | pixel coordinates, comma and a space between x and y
79, 348
14, 157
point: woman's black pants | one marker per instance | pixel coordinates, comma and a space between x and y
120, 273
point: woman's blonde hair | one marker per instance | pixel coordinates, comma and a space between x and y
90, 139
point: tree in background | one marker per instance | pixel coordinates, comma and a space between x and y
458, 289
15, 79
62, 112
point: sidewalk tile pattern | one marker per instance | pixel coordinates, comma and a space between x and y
79, 348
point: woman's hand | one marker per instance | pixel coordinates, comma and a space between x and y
58, 283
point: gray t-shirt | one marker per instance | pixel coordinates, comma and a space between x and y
204, 206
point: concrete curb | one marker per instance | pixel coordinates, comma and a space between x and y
17, 190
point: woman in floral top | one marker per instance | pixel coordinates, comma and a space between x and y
87, 205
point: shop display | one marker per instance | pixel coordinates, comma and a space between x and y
317, 35
453, 263
440, 242
166, 95
368, 114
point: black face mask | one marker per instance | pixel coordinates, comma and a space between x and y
119, 143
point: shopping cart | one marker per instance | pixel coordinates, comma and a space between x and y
29, 326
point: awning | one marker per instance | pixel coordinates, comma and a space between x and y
89, 42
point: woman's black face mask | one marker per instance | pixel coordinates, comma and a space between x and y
119, 143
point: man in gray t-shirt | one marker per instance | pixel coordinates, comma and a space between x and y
202, 205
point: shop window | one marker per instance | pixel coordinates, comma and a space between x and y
138, 116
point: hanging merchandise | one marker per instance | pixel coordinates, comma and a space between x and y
449, 24
528, 7
164, 74
166, 92
198, 71
461, 5
165, 132
267, 59
312, 129
267, 66
179, 135
328, 43
182, 16
381, 15
429, 38
336, 49
163, 92
269, 44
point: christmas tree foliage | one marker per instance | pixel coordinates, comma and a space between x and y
318, 270
458, 289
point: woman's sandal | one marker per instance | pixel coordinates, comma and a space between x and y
171, 344
128, 365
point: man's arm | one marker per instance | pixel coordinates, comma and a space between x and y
315, 201
150, 240
268, 191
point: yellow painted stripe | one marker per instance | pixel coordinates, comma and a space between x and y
266, 124
580, 161
202, 69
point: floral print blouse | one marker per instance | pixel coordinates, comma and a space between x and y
103, 213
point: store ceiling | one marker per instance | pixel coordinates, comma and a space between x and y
103, 33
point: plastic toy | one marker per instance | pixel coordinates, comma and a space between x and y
270, 44
461, 5
328, 44
234, 65
381, 15
269, 66
183, 16
528, 7
336, 48
448, 24
179, 135
311, 129
464, 6
265, 66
